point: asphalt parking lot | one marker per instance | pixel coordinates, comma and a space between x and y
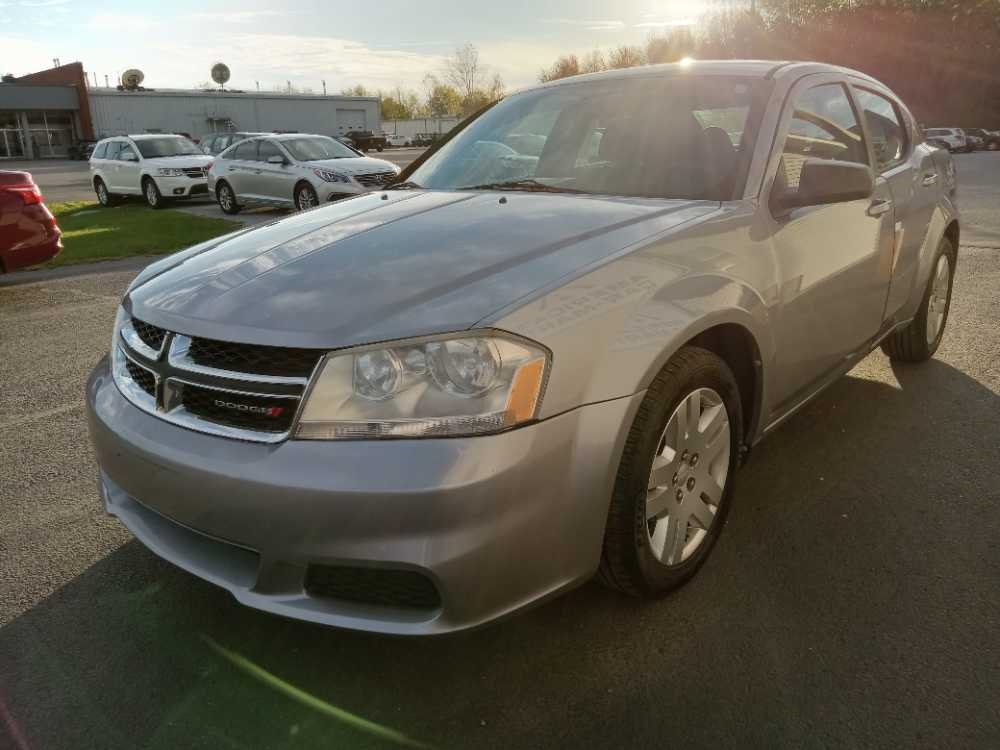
853, 600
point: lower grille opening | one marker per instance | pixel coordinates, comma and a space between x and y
261, 413
380, 586
142, 377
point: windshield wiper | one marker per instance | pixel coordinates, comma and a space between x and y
527, 185
405, 185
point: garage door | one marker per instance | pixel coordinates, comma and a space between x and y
351, 119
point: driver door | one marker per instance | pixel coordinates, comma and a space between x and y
834, 261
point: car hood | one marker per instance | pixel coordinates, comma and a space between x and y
355, 165
179, 162
389, 265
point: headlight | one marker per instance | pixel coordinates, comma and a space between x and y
460, 384
326, 174
170, 172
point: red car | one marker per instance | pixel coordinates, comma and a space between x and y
28, 231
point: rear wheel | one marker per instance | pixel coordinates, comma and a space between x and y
305, 196
922, 337
152, 193
226, 198
675, 479
103, 196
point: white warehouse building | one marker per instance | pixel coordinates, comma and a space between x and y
197, 113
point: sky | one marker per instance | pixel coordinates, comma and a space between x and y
175, 43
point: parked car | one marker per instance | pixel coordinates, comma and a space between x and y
987, 139
426, 408
81, 150
293, 170
28, 232
976, 143
425, 139
215, 143
157, 167
366, 140
397, 141
954, 137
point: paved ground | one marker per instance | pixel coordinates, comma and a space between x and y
853, 601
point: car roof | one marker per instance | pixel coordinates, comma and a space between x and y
150, 136
762, 69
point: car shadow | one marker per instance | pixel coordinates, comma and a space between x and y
843, 566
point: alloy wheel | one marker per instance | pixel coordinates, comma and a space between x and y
151, 197
688, 476
102, 194
937, 305
306, 198
226, 198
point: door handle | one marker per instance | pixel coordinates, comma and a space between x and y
930, 178
879, 208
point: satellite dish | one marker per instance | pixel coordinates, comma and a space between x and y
220, 73
131, 78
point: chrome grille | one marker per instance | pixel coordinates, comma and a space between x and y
242, 391
260, 360
151, 335
196, 172
375, 179
142, 377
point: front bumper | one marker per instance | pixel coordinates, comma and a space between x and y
179, 187
495, 522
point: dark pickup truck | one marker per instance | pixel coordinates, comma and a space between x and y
365, 140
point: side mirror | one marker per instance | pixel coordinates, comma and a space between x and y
823, 181
277, 159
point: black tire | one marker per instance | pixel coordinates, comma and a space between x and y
910, 344
151, 192
226, 198
305, 197
627, 562
104, 196
379, 149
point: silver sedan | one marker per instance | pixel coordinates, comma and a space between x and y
541, 356
293, 169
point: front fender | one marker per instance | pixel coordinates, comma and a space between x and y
612, 331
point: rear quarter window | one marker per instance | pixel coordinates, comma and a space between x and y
99, 152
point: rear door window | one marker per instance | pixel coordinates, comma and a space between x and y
885, 127
246, 151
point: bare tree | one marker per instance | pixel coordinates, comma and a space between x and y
593, 62
463, 70
625, 56
563, 67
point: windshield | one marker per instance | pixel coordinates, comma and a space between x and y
317, 148
151, 148
646, 137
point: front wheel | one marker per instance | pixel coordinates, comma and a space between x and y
675, 479
922, 337
305, 197
152, 193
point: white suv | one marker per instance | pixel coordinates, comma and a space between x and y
154, 166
